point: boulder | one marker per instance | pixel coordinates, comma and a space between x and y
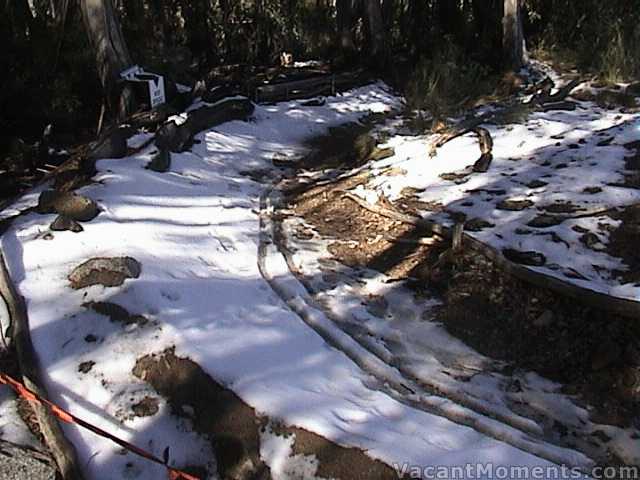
71, 205
161, 161
105, 271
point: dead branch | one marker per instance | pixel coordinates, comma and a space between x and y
62, 450
592, 298
542, 101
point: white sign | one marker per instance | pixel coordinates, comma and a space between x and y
155, 83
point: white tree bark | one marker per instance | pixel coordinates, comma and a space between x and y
111, 52
512, 35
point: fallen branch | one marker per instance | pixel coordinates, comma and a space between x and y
542, 102
590, 297
418, 222
62, 450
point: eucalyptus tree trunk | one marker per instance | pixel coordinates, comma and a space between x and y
345, 19
513, 35
377, 38
111, 53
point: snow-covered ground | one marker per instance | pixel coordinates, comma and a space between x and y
562, 167
195, 230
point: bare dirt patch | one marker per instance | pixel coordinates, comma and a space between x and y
235, 427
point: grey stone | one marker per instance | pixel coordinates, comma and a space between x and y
477, 224
514, 205
18, 463
63, 223
72, 205
544, 221
161, 161
109, 272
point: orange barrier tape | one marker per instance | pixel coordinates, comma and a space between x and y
24, 392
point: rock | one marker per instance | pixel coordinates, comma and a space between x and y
477, 224
514, 205
456, 177
108, 272
161, 162
590, 240
147, 407
85, 367
537, 184
68, 204
63, 223
46, 201
592, 190
533, 259
116, 313
605, 142
607, 353
173, 137
111, 145
280, 159
76, 207
544, 221
544, 320
560, 206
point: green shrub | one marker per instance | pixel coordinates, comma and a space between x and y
440, 84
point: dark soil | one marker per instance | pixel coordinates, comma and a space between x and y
235, 427
624, 242
147, 407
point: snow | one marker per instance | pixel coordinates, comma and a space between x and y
557, 147
277, 452
196, 230
12, 428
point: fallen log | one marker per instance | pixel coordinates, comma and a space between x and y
178, 138
544, 101
62, 450
308, 87
617, 305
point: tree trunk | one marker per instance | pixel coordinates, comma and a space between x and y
377, 41
345, 19
388, 13
417, 26
111, 53
512, 35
